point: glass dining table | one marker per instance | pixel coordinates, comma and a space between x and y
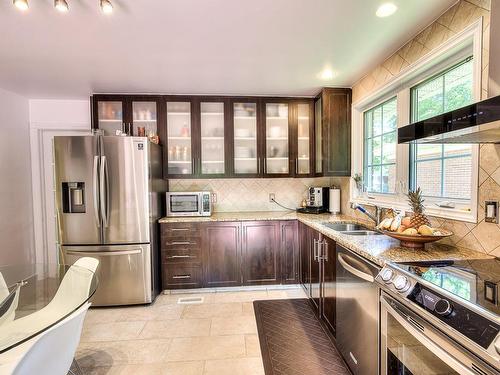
26, 292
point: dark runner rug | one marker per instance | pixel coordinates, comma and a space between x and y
293, 341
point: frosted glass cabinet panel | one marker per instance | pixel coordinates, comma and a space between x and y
318, 133
212, 138
110, 116
303, 165
245, 138
144, 118
179, 138
277, 139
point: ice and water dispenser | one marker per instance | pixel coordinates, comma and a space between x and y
73, 197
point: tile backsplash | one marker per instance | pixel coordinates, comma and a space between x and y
252, 194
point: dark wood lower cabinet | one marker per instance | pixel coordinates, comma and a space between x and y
222, 255
328, 288
317, 265
315, 277
260, 250
305, 257
289, 252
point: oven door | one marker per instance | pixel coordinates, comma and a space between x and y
183, 204
412, 346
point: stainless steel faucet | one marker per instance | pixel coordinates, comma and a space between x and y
377, 218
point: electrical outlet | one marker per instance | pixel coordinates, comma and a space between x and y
271, 197
214, 197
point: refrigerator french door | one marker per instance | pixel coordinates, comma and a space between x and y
107, 205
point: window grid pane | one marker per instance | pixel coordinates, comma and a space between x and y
380, 133
443, 171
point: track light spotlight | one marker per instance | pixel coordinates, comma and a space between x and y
21, 4
61, 5
106, 6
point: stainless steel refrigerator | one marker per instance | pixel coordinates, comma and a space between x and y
108, 202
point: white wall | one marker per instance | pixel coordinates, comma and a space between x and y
16, 210
49, 118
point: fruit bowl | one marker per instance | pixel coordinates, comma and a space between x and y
416, 241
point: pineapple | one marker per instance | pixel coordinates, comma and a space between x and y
418, 217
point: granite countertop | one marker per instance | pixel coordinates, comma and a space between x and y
378, 249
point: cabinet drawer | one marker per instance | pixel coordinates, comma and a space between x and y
180, 230
181, 256
181, 276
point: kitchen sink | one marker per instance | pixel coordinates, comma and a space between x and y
361, 233
343, 227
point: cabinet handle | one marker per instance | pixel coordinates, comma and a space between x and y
258, 165
180, 229
181, 277
315, 254
180, 243
179, 256
325, 255
296, 165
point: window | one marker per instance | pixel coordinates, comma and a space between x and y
380, 140
442, 170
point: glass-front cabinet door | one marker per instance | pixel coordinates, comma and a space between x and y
318, 136
246, 158
179, 136
304, 135
144, 118
212, 138
277, 139
110, 116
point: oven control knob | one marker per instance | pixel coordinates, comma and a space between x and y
401, 283
387, 275
443, 307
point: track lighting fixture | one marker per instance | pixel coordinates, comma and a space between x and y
106, 6
61, 5
21, 4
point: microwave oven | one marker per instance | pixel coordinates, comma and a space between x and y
196, 203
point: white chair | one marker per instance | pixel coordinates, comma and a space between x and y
73, 289
50, 353
8, 301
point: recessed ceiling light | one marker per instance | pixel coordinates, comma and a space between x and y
106, 6
327, 74
21, 4
386, 10
61, 5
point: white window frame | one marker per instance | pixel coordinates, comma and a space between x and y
457, 48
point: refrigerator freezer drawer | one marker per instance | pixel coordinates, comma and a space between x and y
124, 272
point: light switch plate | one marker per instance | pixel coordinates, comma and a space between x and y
491, 211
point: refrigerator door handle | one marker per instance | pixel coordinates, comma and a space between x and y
104, 191
95, 183
103, 253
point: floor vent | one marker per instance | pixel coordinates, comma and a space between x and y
189, 300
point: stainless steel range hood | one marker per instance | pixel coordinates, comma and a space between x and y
476, 123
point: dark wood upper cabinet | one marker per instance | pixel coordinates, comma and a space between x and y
221, 249
220, 136
335, 107
289, 252
245, 136
261, 252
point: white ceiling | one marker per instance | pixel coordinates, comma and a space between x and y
260, 47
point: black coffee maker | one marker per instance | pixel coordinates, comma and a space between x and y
318, 201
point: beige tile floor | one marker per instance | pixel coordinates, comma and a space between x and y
216, 337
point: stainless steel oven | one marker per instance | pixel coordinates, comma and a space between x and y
411, 345
433, 320
189, 203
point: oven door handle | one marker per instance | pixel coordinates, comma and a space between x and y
425, 340
362, 275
